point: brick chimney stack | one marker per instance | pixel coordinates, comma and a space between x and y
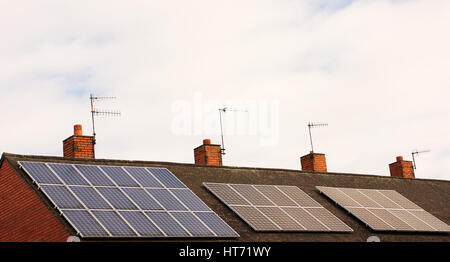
78, 146
402, 168
314, 162
208, 154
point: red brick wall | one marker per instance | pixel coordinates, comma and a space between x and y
79, 147
314, 162
208, 155
402, 168
23, 216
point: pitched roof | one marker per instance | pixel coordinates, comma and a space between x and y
432, 195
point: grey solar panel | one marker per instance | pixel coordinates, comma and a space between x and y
385, 210
68, 174
116, 201
276, 208
94, 175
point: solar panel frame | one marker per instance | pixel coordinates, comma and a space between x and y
88, 208
254, 214
400, 211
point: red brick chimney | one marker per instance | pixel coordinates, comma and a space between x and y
78, 146
314, 162
402, 168
208, 154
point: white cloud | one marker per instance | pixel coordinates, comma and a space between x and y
376, 71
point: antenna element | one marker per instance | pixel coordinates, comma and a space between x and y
416, 152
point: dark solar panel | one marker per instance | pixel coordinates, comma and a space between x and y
215, 223
142, 199
190, 200
116, 198
167, 200
141, 223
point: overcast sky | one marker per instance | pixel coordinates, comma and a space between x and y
378, 72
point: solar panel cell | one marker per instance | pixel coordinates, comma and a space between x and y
114, 223
358, 197
226, 194
166, 199
431, 220
40, 173
328, 219
85, 223
399, 199
143, 177
167, 224
61, 197
141, 223
90, 197
215, 223
379, 198
251, 194
119, 176
300, 197
94, 175
338, 196
255, 218
192, 224
275, 195
190, 200
281, 218
166, 177
68, 174
390, 219
302, 217
370, 219
142, 199
411, 220
116, 198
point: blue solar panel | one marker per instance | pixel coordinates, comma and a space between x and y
90, 197
192, 224
166, 177
166, 199
115, 225
115, 201
141, 223
40, 173
68, 174
94, 175
143, 177
142, 199
116, 198
85, 223
216, 224
61, 197
167, 224
119, 176
190, 199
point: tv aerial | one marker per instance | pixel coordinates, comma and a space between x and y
224, 110
312, 125
416, 152
99, 112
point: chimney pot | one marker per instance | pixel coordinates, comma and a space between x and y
399, 158
208, 154
78, 130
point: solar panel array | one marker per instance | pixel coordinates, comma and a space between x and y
125, 201
384, 210
276, 208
